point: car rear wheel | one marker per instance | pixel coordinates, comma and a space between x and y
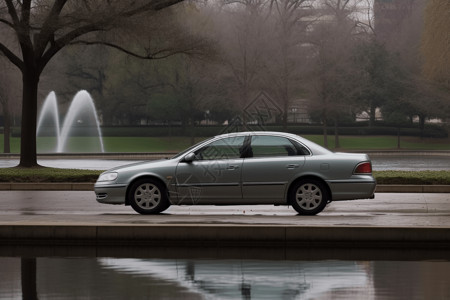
148, 196
309, 197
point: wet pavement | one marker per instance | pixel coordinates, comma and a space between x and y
80, 207
69, 217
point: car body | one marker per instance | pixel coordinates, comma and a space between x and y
241, 169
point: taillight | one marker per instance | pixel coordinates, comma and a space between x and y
363, 168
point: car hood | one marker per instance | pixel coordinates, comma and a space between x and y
142, 164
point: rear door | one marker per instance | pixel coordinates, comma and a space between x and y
274, 161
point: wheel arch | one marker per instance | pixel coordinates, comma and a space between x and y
306, 177
146, 176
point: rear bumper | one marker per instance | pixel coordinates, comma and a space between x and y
352, 190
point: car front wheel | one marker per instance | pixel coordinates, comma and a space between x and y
148, 196
308, 197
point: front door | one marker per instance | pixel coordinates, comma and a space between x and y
214, 177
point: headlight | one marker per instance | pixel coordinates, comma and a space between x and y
110, 176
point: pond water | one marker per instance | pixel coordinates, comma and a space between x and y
133, 278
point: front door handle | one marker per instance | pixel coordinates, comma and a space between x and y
232, 167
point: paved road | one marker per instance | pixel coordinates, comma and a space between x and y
80, 208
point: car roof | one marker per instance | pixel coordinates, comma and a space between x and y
245, 133
315, 148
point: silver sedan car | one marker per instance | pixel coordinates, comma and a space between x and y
241, 169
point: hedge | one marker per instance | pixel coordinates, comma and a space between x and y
205, 131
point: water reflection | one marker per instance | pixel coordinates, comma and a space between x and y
249, 279
118, 278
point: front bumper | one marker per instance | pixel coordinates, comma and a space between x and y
110, 193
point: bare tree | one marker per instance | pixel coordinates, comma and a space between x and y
241, 30
43, 28
334, 73
286, 56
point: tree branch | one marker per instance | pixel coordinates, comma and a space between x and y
58, 44
12, 12
160, 54
11, 56
153, 5
67, 39
49, 27
7, 23
26, 10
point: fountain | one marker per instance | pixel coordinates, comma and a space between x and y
50, 110
81, 112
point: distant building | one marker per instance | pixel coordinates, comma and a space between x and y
389, 16
364, 116
298, 112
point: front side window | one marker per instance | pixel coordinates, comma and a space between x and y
226, 148
271, 146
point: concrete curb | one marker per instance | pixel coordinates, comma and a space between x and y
86, 186
386, 188
47, 186
226, 235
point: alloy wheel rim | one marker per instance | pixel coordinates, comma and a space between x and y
308, 196
147, 196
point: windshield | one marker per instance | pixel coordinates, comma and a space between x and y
190, 148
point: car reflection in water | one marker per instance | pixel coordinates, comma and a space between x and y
253, 279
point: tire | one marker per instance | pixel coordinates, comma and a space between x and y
148, 196
309, 196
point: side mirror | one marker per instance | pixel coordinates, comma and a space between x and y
189, 157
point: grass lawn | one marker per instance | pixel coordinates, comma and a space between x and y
42, 174
175, 144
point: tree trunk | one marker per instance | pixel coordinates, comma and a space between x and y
285, 113
422, 125
192, 130
28, 156
372, 115
337, 144
325, 133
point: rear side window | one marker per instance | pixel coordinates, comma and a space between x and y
301, 150
271, 146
